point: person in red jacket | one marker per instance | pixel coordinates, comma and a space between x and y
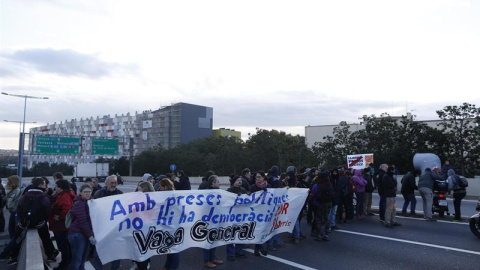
62, 203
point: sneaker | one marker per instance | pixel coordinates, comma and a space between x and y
241, 255
388, 225
231, 258
209, 265
217, 262
397, 224
264, 252
325, 238
12, 261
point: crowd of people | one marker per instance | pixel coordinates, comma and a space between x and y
339, 195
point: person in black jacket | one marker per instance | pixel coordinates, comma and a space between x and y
379, 185
390, 192
183, 181
408, 191
323, 197
367, 203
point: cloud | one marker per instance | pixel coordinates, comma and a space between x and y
68, 63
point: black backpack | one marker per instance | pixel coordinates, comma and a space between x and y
31, 212
461, 181
324, 194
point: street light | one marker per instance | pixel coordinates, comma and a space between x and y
19, 122
22, 135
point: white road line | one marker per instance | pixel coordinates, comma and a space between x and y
412, 242
300, 266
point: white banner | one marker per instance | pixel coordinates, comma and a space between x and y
138, 225
359, 161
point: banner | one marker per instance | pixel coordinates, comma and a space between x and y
138, 225
359, 161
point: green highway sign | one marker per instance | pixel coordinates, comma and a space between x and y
108, 147
56, 145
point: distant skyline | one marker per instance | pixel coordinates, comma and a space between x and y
277, 65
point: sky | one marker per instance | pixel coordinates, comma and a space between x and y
276, 64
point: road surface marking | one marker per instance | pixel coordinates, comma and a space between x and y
300, 266
412, 242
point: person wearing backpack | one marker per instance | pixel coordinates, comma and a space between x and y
456, 185
80, 233
323, 198
33, 210
63, 202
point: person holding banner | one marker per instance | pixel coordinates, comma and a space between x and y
209, 258
144, 186
173, 259
236, 250
260, 185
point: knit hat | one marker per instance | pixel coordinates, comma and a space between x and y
290, 169
451, 172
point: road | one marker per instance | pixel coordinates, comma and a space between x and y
362, 244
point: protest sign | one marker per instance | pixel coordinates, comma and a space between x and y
359, 161
138, 225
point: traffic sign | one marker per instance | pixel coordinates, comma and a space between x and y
107, 147
56, 145
173, 167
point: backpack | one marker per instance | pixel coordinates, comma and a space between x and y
324, 194
31, 212
68, 217
461, 181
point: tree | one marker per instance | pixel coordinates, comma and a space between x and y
460, 124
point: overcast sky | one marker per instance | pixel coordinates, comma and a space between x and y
269, 64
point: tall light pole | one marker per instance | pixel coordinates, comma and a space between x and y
19, 131
22, 135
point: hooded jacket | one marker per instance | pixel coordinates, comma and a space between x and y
360, 182
62, 204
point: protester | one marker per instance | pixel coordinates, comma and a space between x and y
80, 233
369, 188
360, 184
33, 211
260, 185
458, 193
96, 185
338, 189
236, 250
13, 193
322, 200
209, 258
390, 192
425, 187
110, 189
382, 204
183, 181
408, 192
144, 186
62, 204
173, 259
2, 217
204, 184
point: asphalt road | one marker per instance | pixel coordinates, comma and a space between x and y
362, 244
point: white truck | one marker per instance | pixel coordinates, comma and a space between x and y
84, 170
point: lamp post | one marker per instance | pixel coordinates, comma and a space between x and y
22, 134
19, 131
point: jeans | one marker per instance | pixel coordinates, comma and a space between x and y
79, 246
390, 211
382, 205
173, 261
360, 199
427, 198
457, 201
409, 198
209, 255
333, 215
296, 230
233, 249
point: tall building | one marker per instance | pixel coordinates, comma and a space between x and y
228, 133
166, 127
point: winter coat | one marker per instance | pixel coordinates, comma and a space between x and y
379, 182
408, 183
12, 198
62, 204
103, 192
428, 180
360, 182
369, 187
44, 202
183, 183
237, 190
81, 222
389, 185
